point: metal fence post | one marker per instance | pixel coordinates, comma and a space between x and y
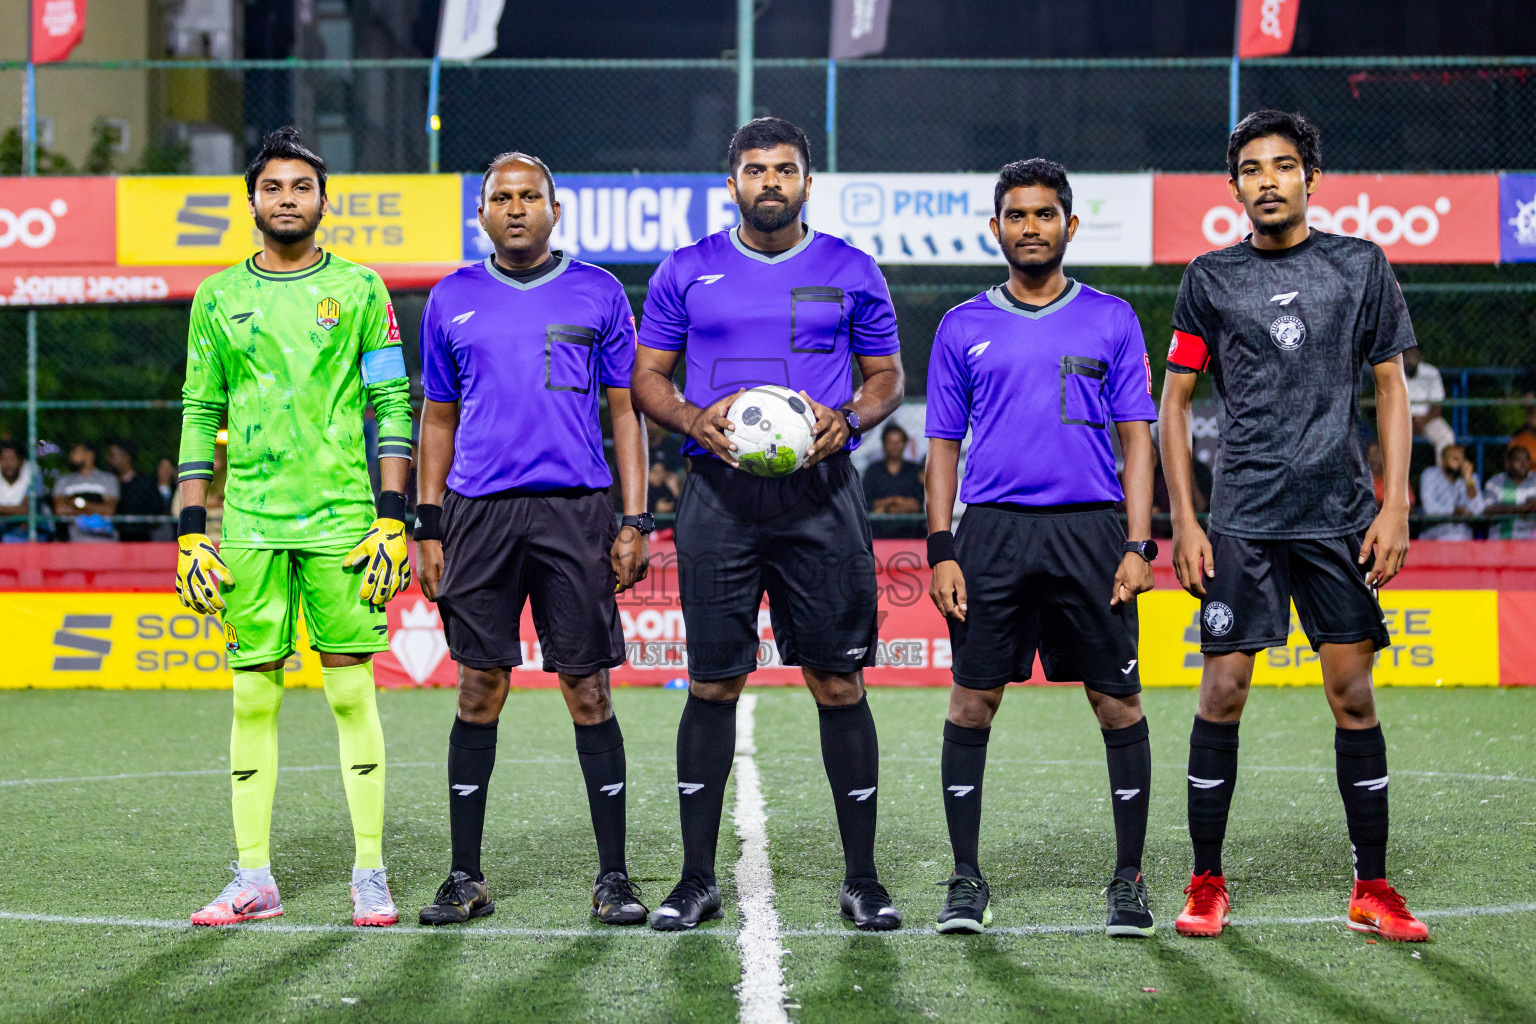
745, 57
831, 115
32, 415
434, 123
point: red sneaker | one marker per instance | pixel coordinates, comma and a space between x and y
1205, 912
1375, 907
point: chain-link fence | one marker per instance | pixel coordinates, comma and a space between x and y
1377, 113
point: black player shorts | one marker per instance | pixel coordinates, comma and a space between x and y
1037, 579
804, 539
1247, 605
553, 549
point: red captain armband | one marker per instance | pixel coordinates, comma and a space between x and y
1189, 351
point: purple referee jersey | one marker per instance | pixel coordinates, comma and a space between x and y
1039, 388
746, 318
525, 359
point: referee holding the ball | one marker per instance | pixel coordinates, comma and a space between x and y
772, 302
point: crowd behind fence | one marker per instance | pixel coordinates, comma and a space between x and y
109, 373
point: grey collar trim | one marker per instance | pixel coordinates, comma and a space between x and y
753, 254
561, 262
998, 299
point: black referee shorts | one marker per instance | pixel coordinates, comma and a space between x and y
804, 539
1247, 605
1043, 580
553, 549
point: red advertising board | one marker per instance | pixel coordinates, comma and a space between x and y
1267, 28
57, 220
1416, 218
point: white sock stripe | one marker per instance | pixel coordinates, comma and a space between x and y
1373, 784
1126, 794
762, 993
960, 791
1205, 783
860, 795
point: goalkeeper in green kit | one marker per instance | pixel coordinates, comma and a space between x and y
291, 345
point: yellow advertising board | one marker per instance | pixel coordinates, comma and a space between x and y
122, 641
1439, 638
372, 218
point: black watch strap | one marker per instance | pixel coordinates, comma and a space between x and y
644, 522
1145, 548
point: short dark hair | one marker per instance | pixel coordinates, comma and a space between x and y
892, 427
286, 143
512, 156
1293, 127
12, 446
128, 445
87, 445
1034, 171
766, 133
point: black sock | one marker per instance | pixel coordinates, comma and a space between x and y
600, 749
961, 768
1212, 778
850, 752
1129, 754
471, 756
706, 745
1361, 757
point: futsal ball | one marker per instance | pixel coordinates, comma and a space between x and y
774, 430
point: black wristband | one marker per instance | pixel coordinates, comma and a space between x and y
390, 505
941, 548
194, 519
429, 522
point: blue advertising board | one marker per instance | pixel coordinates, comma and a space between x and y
1517, 218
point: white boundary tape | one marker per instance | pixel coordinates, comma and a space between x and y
762, 992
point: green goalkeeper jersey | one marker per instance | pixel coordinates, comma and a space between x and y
293, 359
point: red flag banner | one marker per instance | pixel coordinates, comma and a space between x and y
57, 27
1268, 28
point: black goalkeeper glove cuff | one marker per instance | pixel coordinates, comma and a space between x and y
390, 505
941, 548
194, 519
429, 522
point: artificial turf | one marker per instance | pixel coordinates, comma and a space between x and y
150, 848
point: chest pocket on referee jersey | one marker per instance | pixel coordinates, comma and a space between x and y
815, 318
568, 358
1082, 391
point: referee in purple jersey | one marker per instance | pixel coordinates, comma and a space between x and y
773, 302
514, 508
1039, 370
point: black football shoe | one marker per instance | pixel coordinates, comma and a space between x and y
865, 902
1129, 914
458, 899
616, 900
967, 907
690, 902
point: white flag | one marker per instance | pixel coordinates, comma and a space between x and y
468, 28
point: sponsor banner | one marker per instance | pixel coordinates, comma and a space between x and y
943, 218
109, 282
373, 218
56, 220
619, 218
96, 638
1266, 28
1416, 218
1517, 218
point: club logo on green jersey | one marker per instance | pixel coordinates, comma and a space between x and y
329, 313
231, 640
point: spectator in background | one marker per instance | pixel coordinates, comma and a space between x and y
894, 485
1426, 391
165, 480
18, 487
1525, 437
1513, 490
86, 495
1378, 480
138, 495
1200, 491
662, 489
1450, 489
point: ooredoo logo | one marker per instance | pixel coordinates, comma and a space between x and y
34, 227
1384, 224
1269, 19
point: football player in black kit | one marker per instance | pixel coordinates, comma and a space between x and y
1283, 322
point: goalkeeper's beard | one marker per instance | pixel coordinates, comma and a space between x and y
769, 221
292, 235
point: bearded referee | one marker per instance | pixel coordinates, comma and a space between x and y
514, 507
772, 302
1041, 560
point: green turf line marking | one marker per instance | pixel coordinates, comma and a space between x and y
837, 931
762, 993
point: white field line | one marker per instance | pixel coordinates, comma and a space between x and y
837, 931
281, 768
762, 993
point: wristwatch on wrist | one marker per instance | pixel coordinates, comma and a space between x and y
1145, 548
644, 522
852, 418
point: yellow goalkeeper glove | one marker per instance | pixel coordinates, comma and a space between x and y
199, 569
382, 554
